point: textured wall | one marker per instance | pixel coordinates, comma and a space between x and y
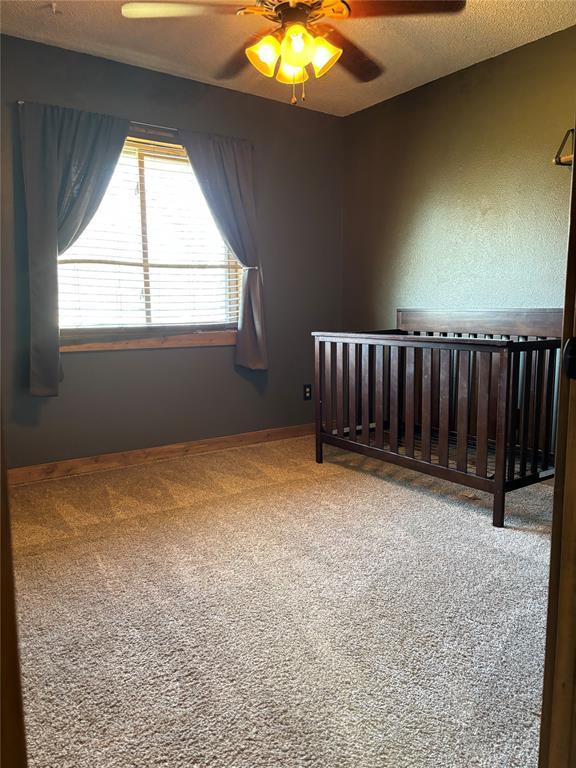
112, 401
451, 199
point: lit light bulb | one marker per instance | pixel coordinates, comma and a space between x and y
297, 47
325, 56
264, 55
291, 75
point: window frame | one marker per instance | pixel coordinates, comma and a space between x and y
149, 336
157, 337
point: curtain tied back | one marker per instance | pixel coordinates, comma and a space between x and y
224, 168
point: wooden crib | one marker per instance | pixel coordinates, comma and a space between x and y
468, 397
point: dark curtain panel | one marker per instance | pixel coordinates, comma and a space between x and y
225, 171
68, 158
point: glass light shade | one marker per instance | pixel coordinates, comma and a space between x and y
264, 55
291, 75
297, 46
325, 56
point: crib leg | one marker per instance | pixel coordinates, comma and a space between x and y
319, 451
498, 509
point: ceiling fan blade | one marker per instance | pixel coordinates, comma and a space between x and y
360, 9
354, 60
175, 10
234, 65
238, 61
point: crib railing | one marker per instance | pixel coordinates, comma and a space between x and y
480, 412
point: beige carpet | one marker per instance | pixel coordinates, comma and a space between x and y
251, 609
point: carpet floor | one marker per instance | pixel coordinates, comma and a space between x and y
251, 609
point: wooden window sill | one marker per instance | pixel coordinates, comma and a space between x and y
225, 338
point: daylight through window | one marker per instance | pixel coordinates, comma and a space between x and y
152, 255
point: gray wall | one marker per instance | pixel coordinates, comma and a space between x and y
451, 199
113, 401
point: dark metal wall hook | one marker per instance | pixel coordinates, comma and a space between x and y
565, 159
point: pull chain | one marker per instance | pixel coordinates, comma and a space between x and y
303, 91
293, 100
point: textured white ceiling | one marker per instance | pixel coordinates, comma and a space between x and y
413, 50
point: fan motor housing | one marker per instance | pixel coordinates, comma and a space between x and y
293, 14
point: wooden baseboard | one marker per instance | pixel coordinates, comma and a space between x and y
108, 461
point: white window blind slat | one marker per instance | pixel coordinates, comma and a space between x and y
152, 254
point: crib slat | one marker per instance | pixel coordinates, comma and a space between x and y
537, 397
386, 390
531, 434
340, 389
484, 365
462, 414
542, 424
435, 388
502, 394
379, 396
494, 379
409, 401
318, 350
525, 416
352, 395
548, 410
394, 397
444, 407
426, 427
473, 392
417, 390
365, 394
514, 412
454, 356
327, 386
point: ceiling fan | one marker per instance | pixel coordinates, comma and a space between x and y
300, 43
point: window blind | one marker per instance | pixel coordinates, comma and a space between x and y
152, 255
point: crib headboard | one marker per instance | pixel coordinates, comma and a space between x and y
513, 322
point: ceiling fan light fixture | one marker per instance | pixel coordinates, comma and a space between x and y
297, 47
291, 75
325, 56
264, 55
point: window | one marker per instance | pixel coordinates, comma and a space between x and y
152, 259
